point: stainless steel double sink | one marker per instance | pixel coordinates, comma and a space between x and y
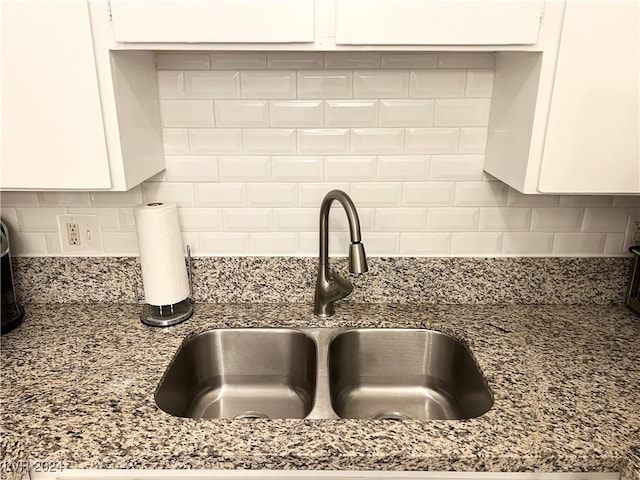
313, 373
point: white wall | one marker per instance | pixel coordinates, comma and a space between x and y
253, 142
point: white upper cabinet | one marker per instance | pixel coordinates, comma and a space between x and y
437, 22
213, 21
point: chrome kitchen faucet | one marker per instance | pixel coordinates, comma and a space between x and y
330, 286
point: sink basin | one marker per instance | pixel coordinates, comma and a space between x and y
405, 374
241, 373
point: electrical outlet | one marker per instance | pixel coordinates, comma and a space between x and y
80, 234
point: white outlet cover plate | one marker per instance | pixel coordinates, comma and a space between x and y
89, 231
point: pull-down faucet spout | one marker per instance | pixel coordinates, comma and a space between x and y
330, 286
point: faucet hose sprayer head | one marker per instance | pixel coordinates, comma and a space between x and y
357, 258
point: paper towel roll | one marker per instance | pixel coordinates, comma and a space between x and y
164, 274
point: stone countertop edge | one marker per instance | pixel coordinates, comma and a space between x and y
78, 381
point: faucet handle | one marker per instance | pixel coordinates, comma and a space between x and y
357, 258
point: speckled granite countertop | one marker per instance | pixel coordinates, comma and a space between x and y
78, 382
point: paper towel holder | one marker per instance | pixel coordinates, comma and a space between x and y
168, 315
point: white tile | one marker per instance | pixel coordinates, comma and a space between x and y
212, 84
187, 113
269, 141
268, 84
175, 141
504, 219
517, 199
437, 83
127, 220
224, 243
428, 194
400, 219
381, 244
630, 201
64, 199
247, 219
556, 219
456, 167
28, 244
295, 60
158, 177
296, 219
425, 243
215, 140
179, 193
406, 113
296, 113
325, 84
238, 60
278, 243
479, 83
220, 194
171, 84
586, 200
338, 244
431, 140
451, 219
402, 167
466, 60
527, 243
471, 243
323, 141
338, 221
53, 244
351, 60
19, 199
120, 243
241, 113
190, 239
491, 194
381, 194
200, 219
380, 84
608, 220
579, 243
377, 141
191, 168
311, 194
473, 140
351, 113
108, 218
117, 199
409, 60
464, 112
244, 168
351, 169
297, 169
614, 244
272, 194
39, 219
181, 61
10, 218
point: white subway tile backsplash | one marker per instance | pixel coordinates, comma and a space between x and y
269, 141
179, 193
295, 60
52, 241
481, 194
215, 141
181, 61
338, 221
296, 113
380, 84
586, 201
187, 113
127, 219
605, 220
338, 241
378, 243
244, 168
402, 167
351, 60
400, 219
614, 244
579, 243
351, 113
425, 244
64, 199
325, 84
109, 218
268, 84
466, 112
296, 219
431, 140
238, 60
479, 83
225, 194
466, 60
350, 168
517, 199
323, 141
19, 199
311, 194
10, 218
406, 113
504, 219
29, 244
472, 140
38, 219
224, 243
200, 219
381, 194
477, 244
377, 141
171, 84
241, 113
527, 243
629, 201
175, 141
428, 194
456, 167
409, 60
437, 83
272, 194
117, 199
191, 168
297, 168
120, 243
247, 219
556, 219
212, 84
274, 243
452, 219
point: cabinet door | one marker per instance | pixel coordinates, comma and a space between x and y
437, 22
213, 21
592, 143
52, 129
